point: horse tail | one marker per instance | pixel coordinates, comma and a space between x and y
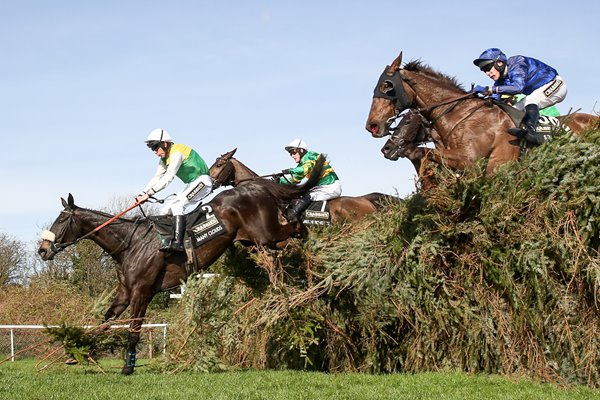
380, 200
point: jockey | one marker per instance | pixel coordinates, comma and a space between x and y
540, 83
182, 161
329, 186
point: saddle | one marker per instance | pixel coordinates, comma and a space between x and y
546, 125
201, 225
317, 213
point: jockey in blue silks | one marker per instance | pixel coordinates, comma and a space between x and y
539, 82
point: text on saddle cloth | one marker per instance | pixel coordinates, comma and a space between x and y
202, 225
317, 213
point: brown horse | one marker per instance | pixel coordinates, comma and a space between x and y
228, 171
249, 213
465, 127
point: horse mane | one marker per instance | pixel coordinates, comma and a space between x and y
422, 68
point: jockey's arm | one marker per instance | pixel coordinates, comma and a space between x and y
164, 176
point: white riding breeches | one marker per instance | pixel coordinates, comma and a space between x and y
189, 198
547, 95
326, 192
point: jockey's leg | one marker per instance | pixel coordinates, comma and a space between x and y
293, 211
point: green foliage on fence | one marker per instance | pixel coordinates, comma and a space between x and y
496, 275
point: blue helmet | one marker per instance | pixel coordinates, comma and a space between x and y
489, 56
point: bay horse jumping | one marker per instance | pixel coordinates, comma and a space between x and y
250, 213
465, 127
228, 171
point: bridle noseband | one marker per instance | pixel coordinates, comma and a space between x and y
58, 247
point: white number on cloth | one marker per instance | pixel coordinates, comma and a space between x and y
208, 210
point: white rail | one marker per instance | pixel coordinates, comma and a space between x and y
12, 328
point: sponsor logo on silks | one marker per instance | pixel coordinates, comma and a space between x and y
312, 217
207, 230
552, 88
195, 190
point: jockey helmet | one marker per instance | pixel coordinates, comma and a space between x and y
296, 144
490, 56
158, 135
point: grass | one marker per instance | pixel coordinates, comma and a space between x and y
20, 380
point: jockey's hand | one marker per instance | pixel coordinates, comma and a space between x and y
485, 90
141, 198
285, 171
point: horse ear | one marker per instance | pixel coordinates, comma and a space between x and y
71, 201
64, 202
397, 62
233, 151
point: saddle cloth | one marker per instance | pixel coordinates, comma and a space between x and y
317, 213
201, 225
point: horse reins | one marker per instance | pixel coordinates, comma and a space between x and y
400, 98
58, 247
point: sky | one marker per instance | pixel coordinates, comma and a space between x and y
84, 82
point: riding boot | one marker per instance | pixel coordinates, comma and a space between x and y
528, 128
532, 114
293, 211
176, 243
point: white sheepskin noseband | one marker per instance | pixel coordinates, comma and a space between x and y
49, 236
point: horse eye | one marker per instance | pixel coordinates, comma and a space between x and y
388, 88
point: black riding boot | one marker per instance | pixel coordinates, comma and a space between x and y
532, 114
293, 211
176, 243
528, 129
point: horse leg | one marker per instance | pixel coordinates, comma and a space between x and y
119, 304
141, 297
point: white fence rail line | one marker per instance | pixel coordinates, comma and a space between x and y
12, 329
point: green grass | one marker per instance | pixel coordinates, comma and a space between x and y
20, 380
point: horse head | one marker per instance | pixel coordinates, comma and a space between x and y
222, 171
411, 131
65, 230
390, 98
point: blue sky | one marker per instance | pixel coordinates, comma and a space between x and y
84, 82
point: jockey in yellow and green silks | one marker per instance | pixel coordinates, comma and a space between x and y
329, 186
184, 162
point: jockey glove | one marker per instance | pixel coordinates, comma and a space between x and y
285, 171
481, 89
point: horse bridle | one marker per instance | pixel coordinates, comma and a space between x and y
58, 247
227, 169
413, 119
393, 90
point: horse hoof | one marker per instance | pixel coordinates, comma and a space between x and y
127, 370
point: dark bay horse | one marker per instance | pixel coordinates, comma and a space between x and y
411, 132
250, 213
228, 171
465, 127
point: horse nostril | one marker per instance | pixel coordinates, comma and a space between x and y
373, 128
